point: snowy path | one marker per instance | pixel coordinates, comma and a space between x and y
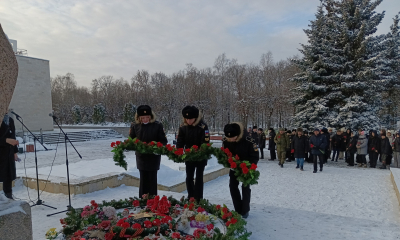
339, 203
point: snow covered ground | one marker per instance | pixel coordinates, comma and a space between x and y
338, 203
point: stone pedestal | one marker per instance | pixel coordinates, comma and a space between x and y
15, 220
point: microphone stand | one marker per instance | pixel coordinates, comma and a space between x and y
69, 207
39, 201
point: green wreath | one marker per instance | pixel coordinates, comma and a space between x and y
244, 170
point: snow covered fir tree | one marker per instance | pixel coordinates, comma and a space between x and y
344, 67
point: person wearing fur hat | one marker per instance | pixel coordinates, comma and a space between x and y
362, 149
318, 144
374, 146
261, 141
282, 144
299, 148
147, 129
271, 144
351, 148
386, 151
193, 131
241, 144
337, 142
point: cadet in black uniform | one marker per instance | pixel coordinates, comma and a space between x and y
261, 141
241, 144
147, 129
193, 132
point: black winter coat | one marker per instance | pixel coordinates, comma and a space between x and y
374, 143
337, 142
254, 135
196, 134
319, 142
300, 146
385, 147
397, 145
245, 148
7, 160
261, 140
327, 137
351, 145
271, 142
153, 131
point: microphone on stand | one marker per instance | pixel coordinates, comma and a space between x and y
18, 116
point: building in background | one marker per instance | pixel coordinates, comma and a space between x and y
32, 96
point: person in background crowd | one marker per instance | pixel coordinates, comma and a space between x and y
391, 141
271, 144
386, 151
254, 134
346, 137
147, 129
337, 144
351, 149
193, 131
362, 146
396, 151
383, 131
318, 145
307, 158
239, 144
374, 146
282, 144
249, 131
288, 153
261, 141
299, 148
8, 155
326, 150
331, 134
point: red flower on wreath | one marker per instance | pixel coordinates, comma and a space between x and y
279, 136
218, 207
245, 170
236, 157
185, 206
166, 219
136, 226
253, 166
125, 225
109, 235
210, 227
208, 145
191, 206
187, 150
311, 145
156, 222
230, 160
189, 237
192, 199
136, 203
199, 232
373, 149
176, 235
113, 144
195, 147
225, 210
233, 165
137, 140
78, 233
152, 144
94, 204
159, 144
200, 209
243, 165
118, 142
104, 225
179, 152
147, 224
222, 148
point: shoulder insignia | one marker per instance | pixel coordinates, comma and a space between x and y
250, 139
207, 139
255, 147
224, 139
206, 132
202, 125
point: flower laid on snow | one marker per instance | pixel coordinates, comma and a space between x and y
198, 233
51, 234
110, 212
136, 203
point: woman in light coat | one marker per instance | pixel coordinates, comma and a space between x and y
362, 149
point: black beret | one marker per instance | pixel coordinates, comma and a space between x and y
271, 129
190, 112
232, 130
255, 127
144, 110
288, 131
260, 129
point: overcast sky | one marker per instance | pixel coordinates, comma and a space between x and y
93, 38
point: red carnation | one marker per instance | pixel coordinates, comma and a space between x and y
222, 148
245, 170
166, 219
176, 235
187, 150
218, 207
210, 227
118, 142
373, 148
156, 222
230, 160
191, 206
136, 203
137, 140
243, 165
199, 232
105, 225
233, 221
94, 204
195, 147
152, 144
185, 206
200, 209
292, 151
78, 233
237, 157
109, 235
209, 145
279, 136
225, 210
350, 145
147, 224
228, 223
125, 225
253, 166
159, 145
192, 199
233, 165
345, 137
113, 144
311, 145
137, 226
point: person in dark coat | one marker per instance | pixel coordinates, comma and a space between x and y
194, 131
261, 141
147, 129
239, 143
325, 133
271, 144
374, 146
346, 136
307, 158
385, 151
337, 142
351, 148
8, 155
300, 148
318, 144
396, 151
289, 155
254, 134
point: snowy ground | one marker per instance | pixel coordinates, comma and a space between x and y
338, 203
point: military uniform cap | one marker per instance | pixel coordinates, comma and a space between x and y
144, 110
232, 130
190, 112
